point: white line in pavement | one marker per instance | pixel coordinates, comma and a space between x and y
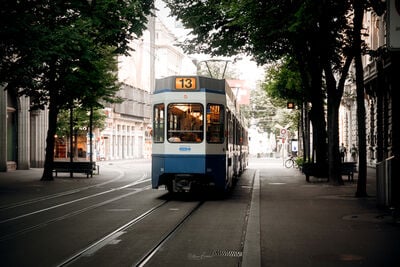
75, 200
252, 244
61, 194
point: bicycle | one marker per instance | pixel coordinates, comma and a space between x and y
291, 162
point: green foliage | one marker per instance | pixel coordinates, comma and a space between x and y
299, 162
81, 121
283, 81
268, 113
62, 53
231, 28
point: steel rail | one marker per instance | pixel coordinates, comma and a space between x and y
74, 201
111, 235
68, 215
56, 195
147, 257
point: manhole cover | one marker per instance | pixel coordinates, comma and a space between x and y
227, 253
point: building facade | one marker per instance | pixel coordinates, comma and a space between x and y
128, 125
381, 95
23, 133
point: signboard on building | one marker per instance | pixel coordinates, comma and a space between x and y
394, 25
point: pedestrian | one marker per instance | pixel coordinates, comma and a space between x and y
343, 151
354, 152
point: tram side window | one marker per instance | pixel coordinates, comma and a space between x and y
158, 124
215, 123
185, 123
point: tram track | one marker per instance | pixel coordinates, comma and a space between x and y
68, 215
104, 240
57, 195
117, 233
147, 257
10, 233
132, 226
140, 181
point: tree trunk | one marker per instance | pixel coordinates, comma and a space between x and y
335, 93
334, 96
71, 138
317, 117
311, 75
51, 132
317, 114
333, 142
362, 144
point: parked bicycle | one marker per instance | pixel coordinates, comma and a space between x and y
291, 162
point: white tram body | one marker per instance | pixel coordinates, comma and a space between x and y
199, 136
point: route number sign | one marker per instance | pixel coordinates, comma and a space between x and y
185, 83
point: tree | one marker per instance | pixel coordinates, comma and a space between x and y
318, 35
358, 50
63, 52
269, 31
283, 81
266, 30
81, 123
321, 36
263, 111
81, 119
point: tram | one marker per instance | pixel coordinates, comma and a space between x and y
199, 135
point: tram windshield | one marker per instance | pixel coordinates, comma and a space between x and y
185, 123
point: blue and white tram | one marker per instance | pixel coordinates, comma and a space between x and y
199, 136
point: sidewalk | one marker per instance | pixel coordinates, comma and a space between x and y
21, 185
318, 224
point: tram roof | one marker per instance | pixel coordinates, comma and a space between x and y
200, 83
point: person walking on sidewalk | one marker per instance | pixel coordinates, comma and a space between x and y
343, 151
354, 152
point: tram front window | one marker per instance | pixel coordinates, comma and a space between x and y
185, 123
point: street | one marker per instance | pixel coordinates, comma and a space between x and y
119, 221
271, 218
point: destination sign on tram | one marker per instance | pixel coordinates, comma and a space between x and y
185, 83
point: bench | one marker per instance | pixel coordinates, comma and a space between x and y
75, 167
321, 170
348, 168
316, 170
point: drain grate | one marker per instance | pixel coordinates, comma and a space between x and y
227, 253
